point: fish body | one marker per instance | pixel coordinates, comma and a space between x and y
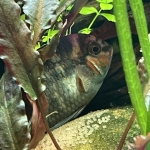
74, 75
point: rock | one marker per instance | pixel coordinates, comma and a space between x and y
99, 130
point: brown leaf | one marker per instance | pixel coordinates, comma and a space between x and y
140, 142
73, 13
17, 50
37, 126
39, 13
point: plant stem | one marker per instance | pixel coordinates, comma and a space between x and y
129, 63
126, 131
46, 124
97, 14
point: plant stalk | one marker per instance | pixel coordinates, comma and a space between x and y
129, 63
97, 14
46, 125
141, 26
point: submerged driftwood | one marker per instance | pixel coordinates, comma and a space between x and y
99, 130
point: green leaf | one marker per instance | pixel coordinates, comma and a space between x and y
49, 50
14, 132
105, 1
22, 17
59, 18
69, 7
109, 17
148, 146
88, 10
105, 6
85, 31
50, 35
37, 46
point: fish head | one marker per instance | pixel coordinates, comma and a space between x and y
92, 58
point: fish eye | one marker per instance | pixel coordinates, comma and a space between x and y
94, 48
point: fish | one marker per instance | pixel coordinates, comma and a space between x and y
74, 74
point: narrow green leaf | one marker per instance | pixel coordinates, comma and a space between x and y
148, 146
59, 18
88, 10
109, 1
85, 31
129, 63
37, 46
22, 17
141, 26
105, 6
69, 7
50, 35
109, 17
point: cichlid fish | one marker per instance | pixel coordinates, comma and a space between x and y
74, 75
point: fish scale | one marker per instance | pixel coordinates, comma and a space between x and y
74, 75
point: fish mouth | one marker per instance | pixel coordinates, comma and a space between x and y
94, 67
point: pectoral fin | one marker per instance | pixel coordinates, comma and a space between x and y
80, 85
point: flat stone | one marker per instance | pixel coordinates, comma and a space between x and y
99, 130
